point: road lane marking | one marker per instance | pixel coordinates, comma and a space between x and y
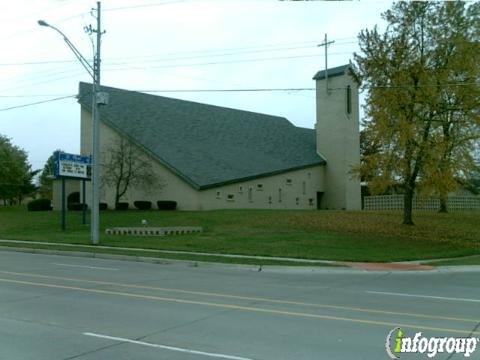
242, 308
86, 267
247, 298
166, 347
421, 296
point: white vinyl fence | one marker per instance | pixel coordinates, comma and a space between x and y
395, 202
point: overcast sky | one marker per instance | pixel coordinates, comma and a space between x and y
165, 45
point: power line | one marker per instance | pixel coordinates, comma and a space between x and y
62, 96
49, 62
237, 51
227, 90
45, 62
30, 95
143, 5
37, 103
211, 63
178, 91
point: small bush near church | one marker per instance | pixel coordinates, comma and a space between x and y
121, 206
143, 205
76, 206
103, 206
166, 205
39, 205
74, 198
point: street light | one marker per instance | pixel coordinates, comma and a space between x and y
97, 98
77, 53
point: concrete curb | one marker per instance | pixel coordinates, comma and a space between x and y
177, 252
193, 263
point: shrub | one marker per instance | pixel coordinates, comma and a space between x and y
121, 206
39, 205
74, 198
166, 205
143, 205
76, 206
103, 206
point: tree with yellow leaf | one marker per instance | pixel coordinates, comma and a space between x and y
422, 105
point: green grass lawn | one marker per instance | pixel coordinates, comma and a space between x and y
326, 235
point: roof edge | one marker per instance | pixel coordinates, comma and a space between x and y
332, 72
159, 159
263, 175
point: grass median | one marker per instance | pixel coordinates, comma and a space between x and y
324, 235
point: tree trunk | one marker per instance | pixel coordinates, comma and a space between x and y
443, 205
117, 194
408, 205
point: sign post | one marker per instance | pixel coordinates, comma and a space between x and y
63, 205
71, 166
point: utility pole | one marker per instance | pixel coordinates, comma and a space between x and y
97, 99
326, 43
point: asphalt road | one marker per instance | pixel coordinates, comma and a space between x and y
61, 307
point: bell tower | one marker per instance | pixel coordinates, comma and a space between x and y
338, 137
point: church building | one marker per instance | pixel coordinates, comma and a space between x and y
211, 157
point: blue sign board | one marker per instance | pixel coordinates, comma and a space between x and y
73, 166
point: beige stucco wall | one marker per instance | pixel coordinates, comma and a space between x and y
304, 184
291, 190
174, 188
338, 141
71, 186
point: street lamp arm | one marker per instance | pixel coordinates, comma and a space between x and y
72, 47
80, 58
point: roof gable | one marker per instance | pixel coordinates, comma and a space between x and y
204, 144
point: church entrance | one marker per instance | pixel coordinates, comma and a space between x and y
319, 199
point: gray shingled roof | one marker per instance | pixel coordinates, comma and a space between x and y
204, 144
336, 71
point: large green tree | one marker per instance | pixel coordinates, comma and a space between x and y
16, 175
47, 176
421, 80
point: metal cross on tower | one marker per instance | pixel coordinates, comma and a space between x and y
326, 43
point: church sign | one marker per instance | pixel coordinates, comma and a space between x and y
73, 166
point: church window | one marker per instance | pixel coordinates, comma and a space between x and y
349, 99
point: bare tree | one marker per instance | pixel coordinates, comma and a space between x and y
126, 166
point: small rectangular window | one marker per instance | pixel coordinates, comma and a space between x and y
289, 181
240, 189
304, 187
218, 195
310, 202
349, 99
259, 187
297, 201
250, 194
230, 197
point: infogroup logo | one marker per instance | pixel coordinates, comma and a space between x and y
431, 346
